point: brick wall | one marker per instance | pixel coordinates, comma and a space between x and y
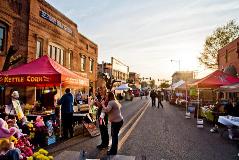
15, 15
26, 25
229, 55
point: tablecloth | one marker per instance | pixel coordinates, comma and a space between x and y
229, 120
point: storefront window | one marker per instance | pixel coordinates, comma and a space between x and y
53, 53
61, 57
49, 50
39, 49
83, 62
70, 64
3, 37
91, 65
56, 52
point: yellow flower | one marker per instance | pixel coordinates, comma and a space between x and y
13, 139
50, 157
30, 125
43, 151
36, 154
40, 157
30, 158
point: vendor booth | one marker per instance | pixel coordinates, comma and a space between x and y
43, 72
213, 81
124, 91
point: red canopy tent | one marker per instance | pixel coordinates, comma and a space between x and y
215, 80
40, 73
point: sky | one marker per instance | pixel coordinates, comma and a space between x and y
147, 34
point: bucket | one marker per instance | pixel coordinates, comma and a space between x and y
187, 115
200, 123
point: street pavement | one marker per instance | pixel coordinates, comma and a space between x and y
165, 134
157, 134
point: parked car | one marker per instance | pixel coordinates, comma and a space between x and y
136, 92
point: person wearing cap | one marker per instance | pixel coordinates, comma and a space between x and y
14, 108
66, 103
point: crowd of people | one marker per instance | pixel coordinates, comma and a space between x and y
156, 94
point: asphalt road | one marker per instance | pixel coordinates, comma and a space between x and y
163, 134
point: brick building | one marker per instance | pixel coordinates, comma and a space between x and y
134, 79
115, 69
228, 56
36, 28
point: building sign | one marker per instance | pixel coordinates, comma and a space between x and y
78, 81
54, 21
24, 79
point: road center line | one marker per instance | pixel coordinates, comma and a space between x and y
122, 140
133, 118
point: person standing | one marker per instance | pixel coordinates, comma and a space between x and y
115, 118
153, 97
102, 117
48, 98
159, 97
78, 97
66, 103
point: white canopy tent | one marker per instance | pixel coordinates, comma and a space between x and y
177, 84
123, 87
230, 88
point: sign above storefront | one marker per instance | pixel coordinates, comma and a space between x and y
54, 21
24, 79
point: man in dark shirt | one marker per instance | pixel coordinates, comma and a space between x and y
159, 96
66, 103
153, 97
48, 98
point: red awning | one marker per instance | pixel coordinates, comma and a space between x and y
42, 72
215, 80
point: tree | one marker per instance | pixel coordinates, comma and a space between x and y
220, 37
144, 84
108, 80
152, 83
12, 58
164, 85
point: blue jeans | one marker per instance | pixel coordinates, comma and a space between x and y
115, 128
10, 155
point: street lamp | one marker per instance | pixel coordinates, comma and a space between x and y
178, 61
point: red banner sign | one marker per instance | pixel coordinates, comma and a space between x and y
26, 80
